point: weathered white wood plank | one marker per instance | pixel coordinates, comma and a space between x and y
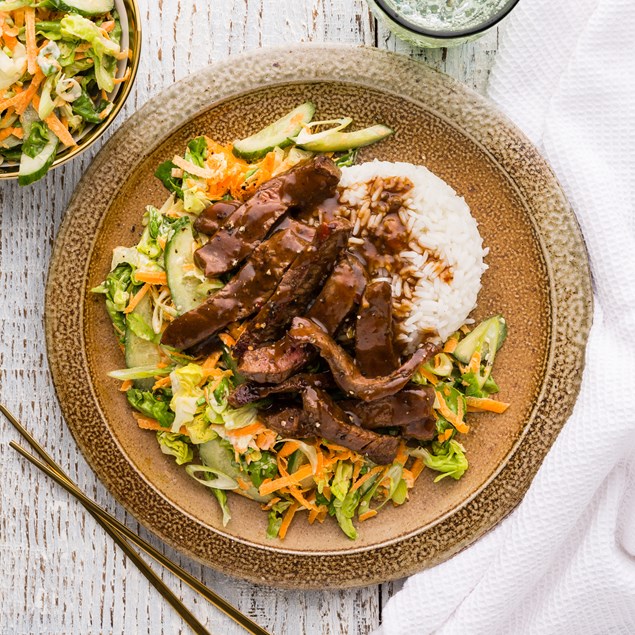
59, 573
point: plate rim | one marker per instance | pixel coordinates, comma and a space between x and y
277, 66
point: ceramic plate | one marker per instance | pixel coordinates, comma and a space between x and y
538, 278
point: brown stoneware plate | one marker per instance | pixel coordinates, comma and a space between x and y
538, 278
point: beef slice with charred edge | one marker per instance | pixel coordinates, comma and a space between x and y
298, 286
340, 294
248, 392
374, 349
410, 410
303, 186
333, 424
213, 217
245, 293
346, 373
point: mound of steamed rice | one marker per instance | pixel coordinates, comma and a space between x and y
445, 248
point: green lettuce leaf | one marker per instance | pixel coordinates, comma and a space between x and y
448, 458
342, 480
265, 467
275, 518
37, 139
221, 497
102, 51
186, 394
117, 288
164, 174
200, 430
175, 445
345, 511
141, 328
151, 405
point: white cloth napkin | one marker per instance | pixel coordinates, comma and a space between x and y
564, 561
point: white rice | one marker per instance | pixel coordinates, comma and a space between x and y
445, 255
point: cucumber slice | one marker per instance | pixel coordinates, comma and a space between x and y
140, 352
340, 141
34, 168
278, 134
83, 7
215, 455
178, 262
489, 336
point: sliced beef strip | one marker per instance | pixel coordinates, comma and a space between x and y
213, 217
374, 349
347, 374
303, 186
339, 296
298, 286
333, 424
249, 392
245, 293
289, 421
410, 410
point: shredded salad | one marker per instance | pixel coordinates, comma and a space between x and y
185, 400
58, 74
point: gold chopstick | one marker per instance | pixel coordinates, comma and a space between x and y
113, 526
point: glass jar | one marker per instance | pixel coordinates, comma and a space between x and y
436, 23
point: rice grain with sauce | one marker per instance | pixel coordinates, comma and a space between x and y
437, 276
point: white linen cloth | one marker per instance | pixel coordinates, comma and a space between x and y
564, 561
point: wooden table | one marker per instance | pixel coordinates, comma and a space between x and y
59, 572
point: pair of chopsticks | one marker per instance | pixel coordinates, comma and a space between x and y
123, 536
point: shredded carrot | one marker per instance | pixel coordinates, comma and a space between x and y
313, 514
226, 339
454, 418
366, 515
10, 40
138, 296
285, 481
431, 377
402, 455
326, 492
151, 277
288, 449
475, 362
211, 362
31, 45
450, 345
162, 365
417, 468
162, 382
475, 404
146, 423
356, 470
18, 18
286, 521
251, 429
55, 125
121, 80
108, 26
22, 99
266, 439
7, 132
7, 116
369, 474
297, 494
243, 484
126, 385
444, 436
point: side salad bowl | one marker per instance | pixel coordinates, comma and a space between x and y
124, 76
